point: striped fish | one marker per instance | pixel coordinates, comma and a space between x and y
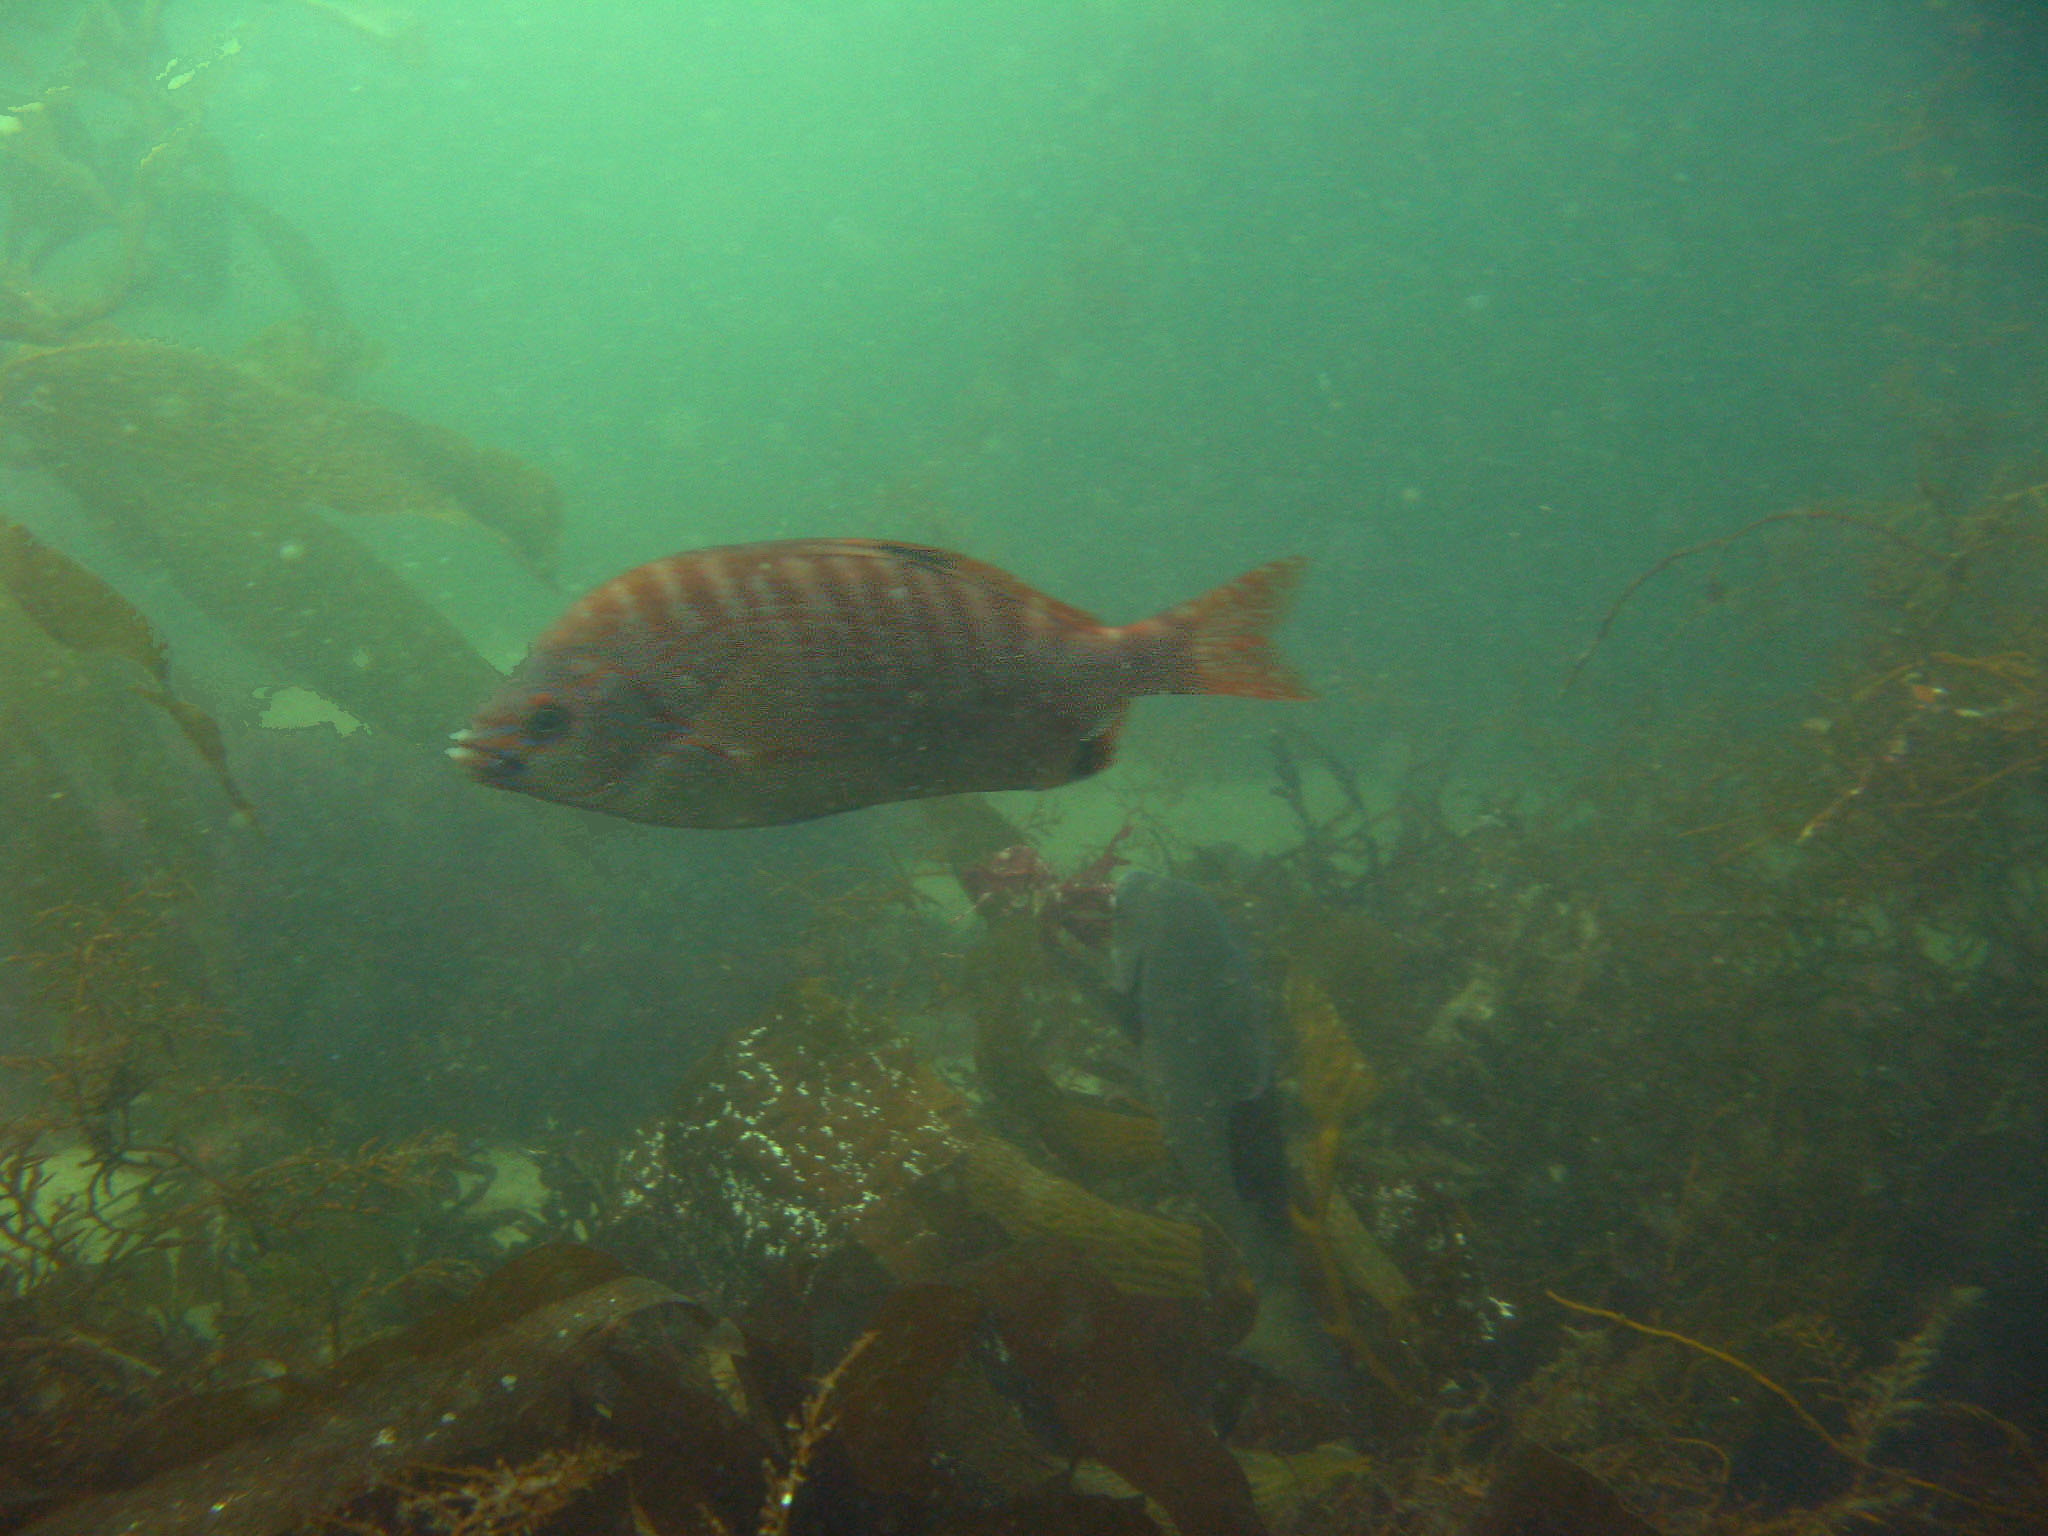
775, 682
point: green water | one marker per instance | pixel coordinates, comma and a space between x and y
1485, 307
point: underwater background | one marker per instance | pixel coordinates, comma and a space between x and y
1654, 901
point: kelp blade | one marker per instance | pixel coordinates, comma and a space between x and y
182, 420
73, 606
515, 1359
217, 475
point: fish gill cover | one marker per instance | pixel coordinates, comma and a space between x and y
1625, 981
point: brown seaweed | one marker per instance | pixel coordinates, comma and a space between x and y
1101, 1359
74, 607
914, 1340
516, 1357
120, 421
1140, 1253
1540, 1493
79, 611
1736, 1032
213, 470
812, 1129
203, 731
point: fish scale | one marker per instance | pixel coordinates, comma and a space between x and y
761, 683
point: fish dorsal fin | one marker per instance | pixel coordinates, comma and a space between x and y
999, 584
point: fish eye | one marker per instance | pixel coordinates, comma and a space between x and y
547, 721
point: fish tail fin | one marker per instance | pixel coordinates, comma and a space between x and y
1289, 1338
1218, 642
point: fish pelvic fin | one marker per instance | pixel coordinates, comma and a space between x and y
1219, 642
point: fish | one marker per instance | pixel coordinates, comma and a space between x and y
1207, 1029
757, 684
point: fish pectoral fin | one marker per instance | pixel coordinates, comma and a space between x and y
683, 740
757, 715
1096, 749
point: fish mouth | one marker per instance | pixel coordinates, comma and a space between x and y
484, 760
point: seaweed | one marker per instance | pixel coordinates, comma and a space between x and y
380, 1431
1102, 1359
216, 470
74, 607
1650, 1288
125, 422
81, 612
1664, 1138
